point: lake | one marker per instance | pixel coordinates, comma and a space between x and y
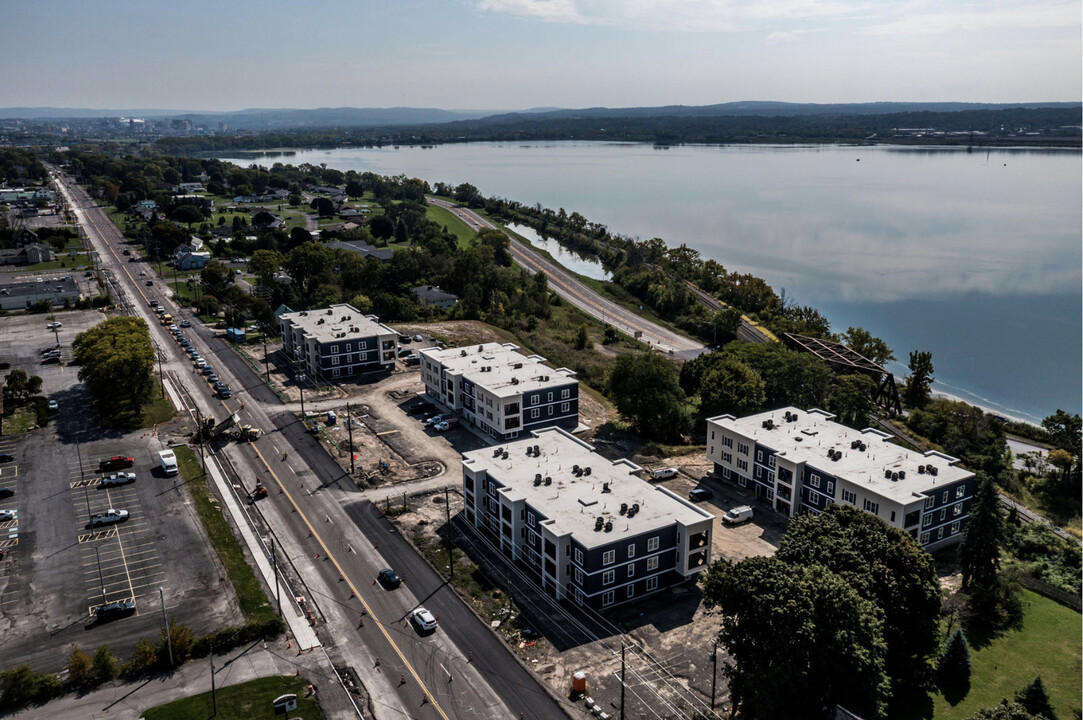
974, 256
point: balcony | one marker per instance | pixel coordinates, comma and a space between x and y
697, 541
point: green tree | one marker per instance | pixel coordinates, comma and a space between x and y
864, 343
582, 338
187, 214
645, 389
851, 399
1004, 711
402, 236
181, 639
800, 638
295, 199
215, 276
953, 667
732, 387
79, 667
884, 565
980, 552
361, 302
1036, 700
1065, 431
917, 390
116, 359
323, 207
106, 667
308, 265
18, 386
264, 264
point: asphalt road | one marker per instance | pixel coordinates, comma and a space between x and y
582, 296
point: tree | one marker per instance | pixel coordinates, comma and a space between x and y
724, 326
264, 264
731, 387
864, 343
106, 667
187, 214
295, 199
645, 389
953, 667
917, 390
361, 302
18, 386
79, 668
1004, 711
884, 565
323, 207
402, 236
116, 359
1065, 431
582, 338
800, 638
851, 399
215, 276
381, 227
307, 264
298, 236
466, 194
1036, 700
980, 552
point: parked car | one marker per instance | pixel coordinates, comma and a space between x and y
421, 407
150, 283
389, 578
6, 492
117, 462
700, 494
153, 303
51, 360
405, 351
212, 379
441, 426
424, 619
207, 369
438, 418
6, 515
121, 478
664, 473
142, 273
418, 338
404, 339
109, 517
737, 515
6, 457
412, 360
114, 610
185, 323
53, 405
224, 392
54, 324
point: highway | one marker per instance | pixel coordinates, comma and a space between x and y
579, 294
330, 544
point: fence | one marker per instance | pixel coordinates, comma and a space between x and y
1053, 593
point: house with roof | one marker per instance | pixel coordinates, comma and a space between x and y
31, 254
363, 249
187, 257
434, 296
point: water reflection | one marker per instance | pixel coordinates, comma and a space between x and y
578, 264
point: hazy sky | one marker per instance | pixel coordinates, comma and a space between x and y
516, 54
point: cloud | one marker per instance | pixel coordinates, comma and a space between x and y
549, 10
941, 18
789, 36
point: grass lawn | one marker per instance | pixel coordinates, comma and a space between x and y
20, 421
159, 410
455, 226
1048, 644
250, 595
246, 701
61, 263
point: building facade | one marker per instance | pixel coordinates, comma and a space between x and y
802, 461
586, 529
337, 342
499, 390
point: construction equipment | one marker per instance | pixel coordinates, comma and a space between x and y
245, 433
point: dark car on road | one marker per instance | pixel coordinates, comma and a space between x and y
699, 494
114, 610
6, 492
389, 578
6, 457
421, 407
117, 462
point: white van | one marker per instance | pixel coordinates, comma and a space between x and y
168, 462
737, 515
664, 473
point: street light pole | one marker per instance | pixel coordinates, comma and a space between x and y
82, 478
168, 639
714, 672
161, 380
301, 384
349, 431
450, 545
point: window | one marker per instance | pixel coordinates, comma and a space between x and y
871, 507
742, 481
608, 557
759, 456
927, 521
770, 476
849, 497
534, 414
578, 556
631, 551
534, 399
940, 532
578, 576
652, 584
727, 441
892, 516
550, 397
929, 502
943, 513
758, 472
631, 591
631, 570
530, 519
814, 481
830, 487
349, 346
924, 538
712, 434
334, 349
363, 345
607, 598
955, 527
944, 499
742, 465
960, 491
652, 563
957, 510
565, 407
742, 448
770, 494
608, 576
771, 461
726, 457
334, 360
652, 544
565, 394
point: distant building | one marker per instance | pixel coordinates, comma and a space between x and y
22, 296
27, 255
499, 390
802, 461
186, 258
363, 249
588, 529
431, 295
339, 341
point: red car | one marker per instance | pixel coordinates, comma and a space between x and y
117, 462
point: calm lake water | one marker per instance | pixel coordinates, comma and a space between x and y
974, 256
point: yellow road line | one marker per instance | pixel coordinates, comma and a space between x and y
353, 588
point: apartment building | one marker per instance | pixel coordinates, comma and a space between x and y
338, 342
500, 390
587, 529
802, 461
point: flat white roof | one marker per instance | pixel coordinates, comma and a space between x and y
327, 324
499, 368
809, 435
571, 504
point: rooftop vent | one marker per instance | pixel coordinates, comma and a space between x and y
635, 507
518, 366
504, 455
320, 321
537, 451
608, 527
481, 348
623, 508
529, 451
329, 311
932, 469
497, 452
575, 469
902, 474
537, 479
887, 474
462, 353
605, 487
768, 424
515, 381
586, 471
921, 469
548, 481
894, 477
598, 523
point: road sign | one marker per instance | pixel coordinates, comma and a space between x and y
285, 703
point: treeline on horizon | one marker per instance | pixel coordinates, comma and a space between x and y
1053, 125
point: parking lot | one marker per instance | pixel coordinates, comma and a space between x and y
57, 568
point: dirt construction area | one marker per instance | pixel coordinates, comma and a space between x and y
668, 636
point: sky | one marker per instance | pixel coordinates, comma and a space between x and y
519, 54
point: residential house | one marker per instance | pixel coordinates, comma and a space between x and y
434, 296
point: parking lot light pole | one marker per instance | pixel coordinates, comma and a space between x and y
101, 577
165, 623
161, 380
301, 384
278, 581
82, 478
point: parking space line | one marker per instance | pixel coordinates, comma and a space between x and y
8, 543
99, 535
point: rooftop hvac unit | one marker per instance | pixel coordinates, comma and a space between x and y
921, 469
518, 366
575, 468
515, 381
537, 451
623, 508
631, 513
598, 523
894, 477
831, 452
586, 471
933, 470
504, 455
548, 481
608, 526
481, 348
902, 474
329, 311
529, 451
887, 474
345, 318
605, 487
320, 321
635, 507
462, 353
497, 452
537, 479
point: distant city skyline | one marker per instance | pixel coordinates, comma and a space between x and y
521, 54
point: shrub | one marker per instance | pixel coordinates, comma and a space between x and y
180, 642
21, 686
79, 669
144, 661
953, 669
106, 666
41, 411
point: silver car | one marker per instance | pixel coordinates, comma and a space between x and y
115, 479
109, 517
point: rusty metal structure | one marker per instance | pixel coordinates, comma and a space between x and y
844, 361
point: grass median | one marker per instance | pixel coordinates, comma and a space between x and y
251, 700
250, 594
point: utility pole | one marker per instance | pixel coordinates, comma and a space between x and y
278, 581
82, 478
266, 367
202, 459
161, 379
714, 672
450, 545
165, 622
621, 680
214, 691
301, 384
349, 431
